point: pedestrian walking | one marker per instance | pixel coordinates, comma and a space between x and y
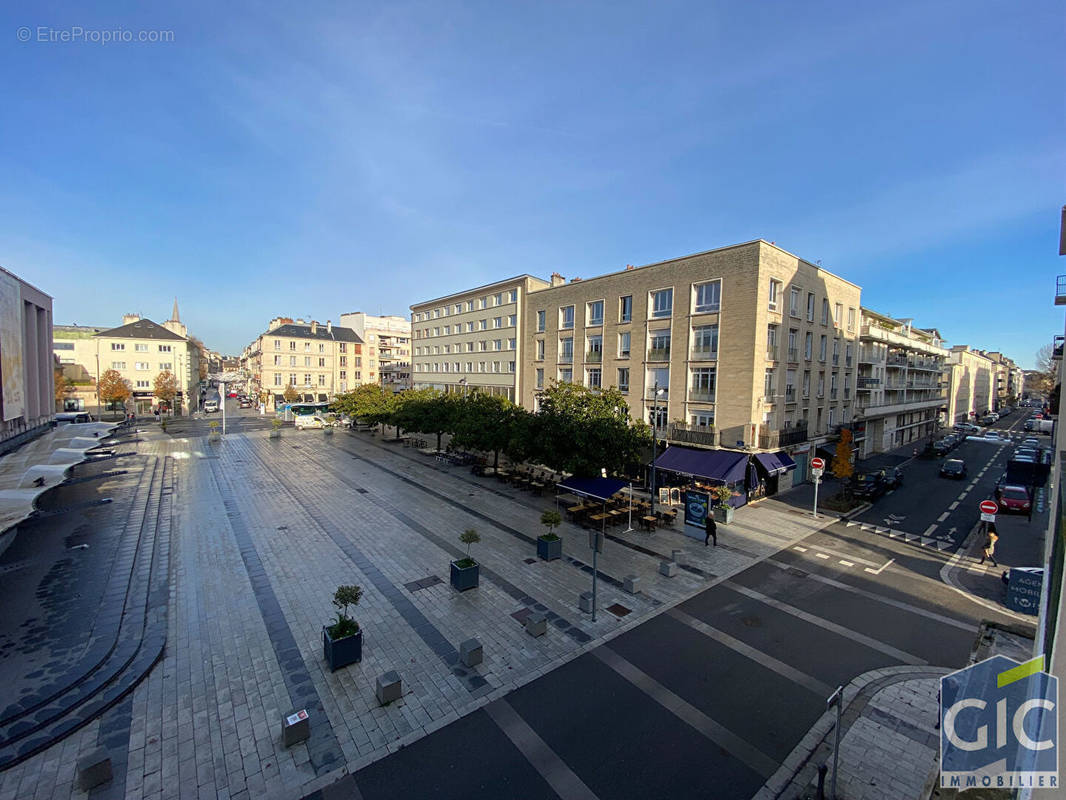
990, 548
711, 528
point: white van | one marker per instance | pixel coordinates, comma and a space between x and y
309, 421
210, 406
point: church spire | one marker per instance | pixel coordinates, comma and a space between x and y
174, 314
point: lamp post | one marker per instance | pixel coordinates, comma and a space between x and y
654, 438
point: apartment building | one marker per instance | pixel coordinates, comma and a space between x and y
473, 338
318, 361
139, 350
1009, 381
27, 388
899, 390
386, 347
970, 382
746, 346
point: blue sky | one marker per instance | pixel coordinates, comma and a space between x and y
316, 158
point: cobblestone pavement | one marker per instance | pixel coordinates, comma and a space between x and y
263, 530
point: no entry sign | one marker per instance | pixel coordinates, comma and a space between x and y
988, 510
817, 463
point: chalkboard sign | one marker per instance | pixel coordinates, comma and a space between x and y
1023, 589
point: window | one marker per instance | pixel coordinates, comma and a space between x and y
344, 360
164, 348
117, 346
436, 313
775, 295
808, 343
623, 379
541, 320
595, 348
594, 378
307, 347
321, 380
707, 297
481, 366
658, 377
277, 361
703, 383
513, 296
483, 345
322, 347
163, 365
292, 378
540, 349
448, 330
497, 344
141, 365
143, 385
511, 344
540, 378
821, 384
594, 312
851, 319
307, 361
344, 347
566, 376
793, 302
307, 379
810, 306
625, 308
497, 322
482, 302
838, 314
358, 361
623, 344
458, 308
277, 379
292, 361
495, 366
140, 348
790, 386
470, 327
566, 317
769, 383
118, 365
705, 340
482, 324
499, 299
662, 303
566, 351
277, 344
512, 321
821, 348
659, 345
321, 362
703, 419
806, 383
470, 347
825, 310
62, 345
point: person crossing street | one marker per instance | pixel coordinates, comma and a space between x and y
711, 527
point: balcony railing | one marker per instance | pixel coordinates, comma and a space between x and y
790, 394
847, 362
658, 354
832, 394
705, 435
836, 360
594, 356
566, 358
700, 396
771, 354
1060, 290
793, 354
772, 440
703, 354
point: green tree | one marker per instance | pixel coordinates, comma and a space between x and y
426, 411
484, 422
113, 388
290, 394
368, 403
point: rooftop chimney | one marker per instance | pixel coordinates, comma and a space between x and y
630, 266
329, 326
574, 280
557, 279
314, 327
128, 318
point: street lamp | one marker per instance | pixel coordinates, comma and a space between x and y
654, 438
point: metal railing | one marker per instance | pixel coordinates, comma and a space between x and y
793, 354
700, 396
566, 358
703, 354
594, 356
790, 394
706, 435
836, 360
771, 354
772, 440
658, 354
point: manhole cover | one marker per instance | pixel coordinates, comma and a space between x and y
283, 527
618, 610
531, 561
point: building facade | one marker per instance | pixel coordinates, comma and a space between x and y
1009, 380
318, 361
900, 393
473, 338
745, 346
27, 367
970, 383
386, 347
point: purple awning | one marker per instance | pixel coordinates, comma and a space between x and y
775, 463
599, 488
727, 466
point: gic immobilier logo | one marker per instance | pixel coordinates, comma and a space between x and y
999, 725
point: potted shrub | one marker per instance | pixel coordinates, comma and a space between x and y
549, 545
342, 642
723, 512
275, 433
465, 570
214, 436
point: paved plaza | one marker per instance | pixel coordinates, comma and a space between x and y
221, 559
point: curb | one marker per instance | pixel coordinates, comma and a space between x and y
947, 576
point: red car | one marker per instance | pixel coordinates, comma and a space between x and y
231, 394
1014, 498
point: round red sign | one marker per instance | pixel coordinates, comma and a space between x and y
817, 463
988, 507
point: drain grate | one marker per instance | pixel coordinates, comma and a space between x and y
618, 610
424, 583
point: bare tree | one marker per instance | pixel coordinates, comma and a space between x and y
1044, 361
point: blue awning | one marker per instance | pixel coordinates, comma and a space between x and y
775, 463
718, 465
599, 488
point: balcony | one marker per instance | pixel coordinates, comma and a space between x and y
658, 354
847, 362
566, 358
1060, 290
832, 394
836, 360
790, 394
705, 435
793, 355
704, 354
700, 396
593, 356
774, 440
771, 354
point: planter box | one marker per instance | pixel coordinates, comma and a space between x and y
724, 514
214, 437
464, 578
342, 652
275, 434
549, 549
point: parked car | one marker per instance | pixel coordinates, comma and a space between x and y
953, 468
967, 427
893, 478
245, 403
210, 406
1014, 498
1031, 441
868, 485
74, 417
309, 421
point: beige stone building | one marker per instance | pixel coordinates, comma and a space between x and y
748, 346
386, 347
900, 393
473, 338
319, 361
139, 350
970, 383
1008, 379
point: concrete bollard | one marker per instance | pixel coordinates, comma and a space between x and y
536, 624
295, 728
631, 584
389, 687
585, 602
471, 653
94, 768
675, 555
668, 568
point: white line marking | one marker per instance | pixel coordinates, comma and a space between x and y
846, 563
942, 517
953, 506
962, 497
881, 568
929, 530
820, 555
800, 549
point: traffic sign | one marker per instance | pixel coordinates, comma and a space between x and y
988, 507
817, 463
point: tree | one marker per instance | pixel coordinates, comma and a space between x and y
1044, 379
166, 388
368, 402
426, 411
551, 520
201, 356
64, 387
290, 394
113, 388
842, 466
484, 422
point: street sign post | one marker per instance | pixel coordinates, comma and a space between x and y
222, 402
988, 510
836, 699
817, 468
